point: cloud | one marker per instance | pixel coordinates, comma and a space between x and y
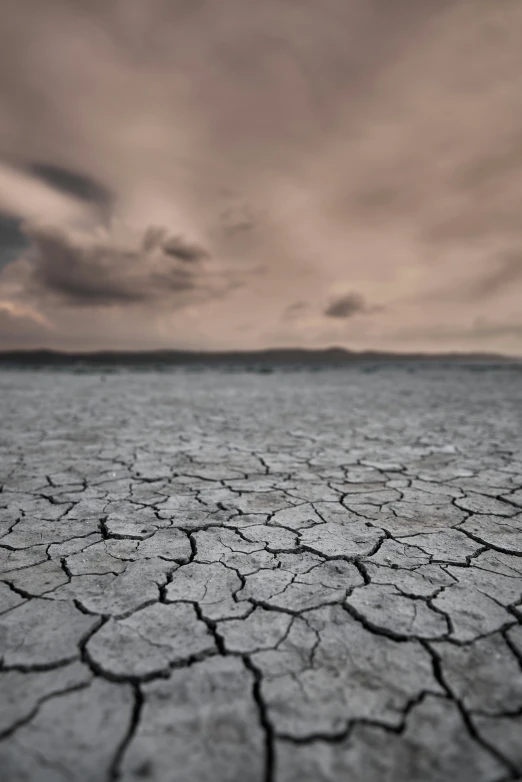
295, 310
25, 197
157, 238
177, 247
21, 326
508, 272
72, 183
347, 306
237, 220
320, 142
12, 239
499, 275
340, 308
114, 268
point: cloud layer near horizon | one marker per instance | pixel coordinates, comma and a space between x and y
344, 172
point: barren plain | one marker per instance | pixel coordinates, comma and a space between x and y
242, 577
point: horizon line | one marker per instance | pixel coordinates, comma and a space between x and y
21, 353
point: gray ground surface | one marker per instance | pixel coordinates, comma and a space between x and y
289, 577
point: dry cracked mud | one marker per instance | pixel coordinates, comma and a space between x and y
295, 577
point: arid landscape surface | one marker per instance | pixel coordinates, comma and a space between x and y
245, 577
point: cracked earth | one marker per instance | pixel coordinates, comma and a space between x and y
275, 578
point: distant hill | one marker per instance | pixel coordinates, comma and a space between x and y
275, 357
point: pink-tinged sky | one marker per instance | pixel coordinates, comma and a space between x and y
240, 174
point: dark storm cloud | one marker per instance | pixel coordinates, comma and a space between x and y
11, 233
12, 239
157, 238
347, 306
72, 183
177, 247
104, 272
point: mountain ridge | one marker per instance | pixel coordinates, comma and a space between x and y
279, 356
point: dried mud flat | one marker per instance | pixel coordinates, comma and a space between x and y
241, 578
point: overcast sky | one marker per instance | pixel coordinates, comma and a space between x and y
241, 174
